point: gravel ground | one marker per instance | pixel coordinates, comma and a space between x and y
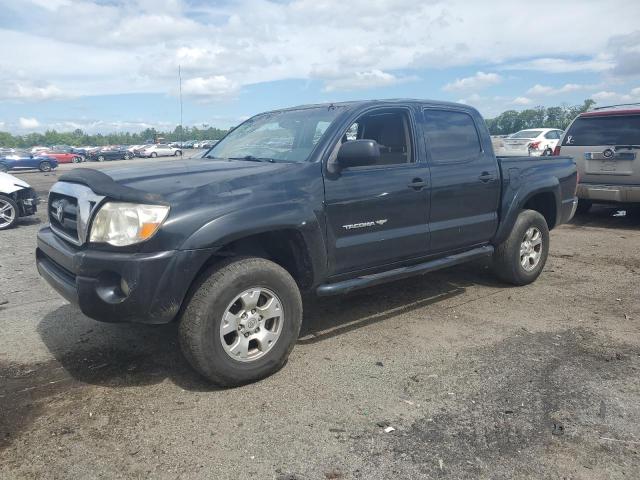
479, 380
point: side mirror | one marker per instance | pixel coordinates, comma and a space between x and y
358, 153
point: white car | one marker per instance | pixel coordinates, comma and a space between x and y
533, 141
160, 150
17, 199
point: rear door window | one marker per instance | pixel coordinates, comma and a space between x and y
606, 130
451, 135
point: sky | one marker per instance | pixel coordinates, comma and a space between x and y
112, 65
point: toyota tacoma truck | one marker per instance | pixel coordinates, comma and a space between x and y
324, 199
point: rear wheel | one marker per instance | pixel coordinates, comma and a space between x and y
76, 159
101, 158
153, 155
178, 153
8, 212
127, 156
242, 321
519, 260
45, 166
547, 152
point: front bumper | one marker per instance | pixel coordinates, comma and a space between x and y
609, 193
119, 287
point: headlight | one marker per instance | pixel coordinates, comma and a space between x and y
121, 224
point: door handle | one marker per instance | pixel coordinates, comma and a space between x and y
486, 177
417, 183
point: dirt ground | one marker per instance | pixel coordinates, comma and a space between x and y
479, 380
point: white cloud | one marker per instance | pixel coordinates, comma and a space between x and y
522, 101
608, 96
362, 80
30, 92
562, 65
136, 46
210, 88
544, 90
28, 123
479, 81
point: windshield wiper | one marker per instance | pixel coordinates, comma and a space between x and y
251, 158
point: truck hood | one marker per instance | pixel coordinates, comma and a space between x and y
172, 182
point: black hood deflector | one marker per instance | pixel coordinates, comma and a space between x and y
103, 184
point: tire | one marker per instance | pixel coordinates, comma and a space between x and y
201, 324
44, 166
76, 159
127, 156
584, 206
178, 153
547, 153
9, 213
4, 168
508, 261
100, 158
153, 155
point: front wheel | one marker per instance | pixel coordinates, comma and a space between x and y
127, 156
178, 153
76, 159
242, 321
101, 158
153, 155
8, 213
44, 167
519, 260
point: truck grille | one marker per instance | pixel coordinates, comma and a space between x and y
69, 211
63, 215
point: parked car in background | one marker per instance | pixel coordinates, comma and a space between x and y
17, 199
63, 156
188, 144
605, 144
27, 161
534, 141
38, 148
140, 148
109, 153
160, 150
208, 143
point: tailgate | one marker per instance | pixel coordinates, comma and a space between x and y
605, 147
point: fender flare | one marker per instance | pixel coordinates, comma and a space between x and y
515, 200
236, 225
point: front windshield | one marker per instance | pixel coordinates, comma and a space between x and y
287, 136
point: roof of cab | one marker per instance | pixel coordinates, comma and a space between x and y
381, 102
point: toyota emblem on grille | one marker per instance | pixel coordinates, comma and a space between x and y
60, 211
609, 152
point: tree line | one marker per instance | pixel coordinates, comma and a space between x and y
507, 122
80, 138
560, 117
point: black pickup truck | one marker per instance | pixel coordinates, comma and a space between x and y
321, 198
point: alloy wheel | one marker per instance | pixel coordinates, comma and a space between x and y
531, 249
7, 213
251, 324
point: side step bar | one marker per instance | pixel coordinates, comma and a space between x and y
403, 272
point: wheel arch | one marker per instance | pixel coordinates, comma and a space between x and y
543, 197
